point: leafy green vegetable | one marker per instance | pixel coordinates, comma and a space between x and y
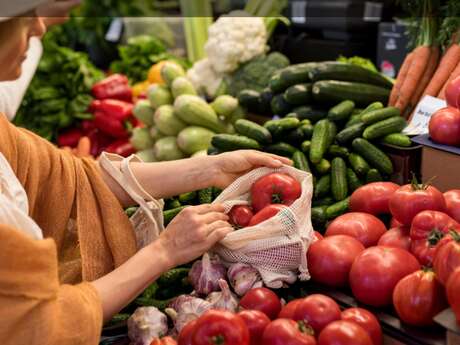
360, 61
255, 74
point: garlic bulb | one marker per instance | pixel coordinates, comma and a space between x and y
147, 324
205, 274
224, 299
243, 278
186, 308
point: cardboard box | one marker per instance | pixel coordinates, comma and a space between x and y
440, 163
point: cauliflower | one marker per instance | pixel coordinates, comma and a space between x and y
234, 39
204, 77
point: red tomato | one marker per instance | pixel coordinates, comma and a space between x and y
452, 198
286, 332
226, 327
266, 213
452, 288
287, 312
274, 188
418, 297
365, 227
164, 341
453, 93
427, 229
444, 126
256, 321
397, 237
329, 260
447, 256
240, 215
262, 299
344, 333
411, 199
317, 311
377, 270
373, 198
317, 235
186, 333
394, 223
367, 321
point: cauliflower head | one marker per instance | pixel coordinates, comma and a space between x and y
204, 78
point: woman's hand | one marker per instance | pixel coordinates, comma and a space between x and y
193, 232
231, 165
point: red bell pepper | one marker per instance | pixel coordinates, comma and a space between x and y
110, 125
69, 138
87, 126
119, 109
121, 147
115, 87
427, 229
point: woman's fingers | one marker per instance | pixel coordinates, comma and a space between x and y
218, 235
207, 208
219, 224
84, 147
212, 217
268, 160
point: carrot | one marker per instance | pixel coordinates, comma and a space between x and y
400, 78
415, 74
448, 63
453, 75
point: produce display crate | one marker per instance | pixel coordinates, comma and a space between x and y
406, 161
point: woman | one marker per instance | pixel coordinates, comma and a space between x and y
58, 290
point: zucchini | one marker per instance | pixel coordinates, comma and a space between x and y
326, 201
188, 198
358, 164
250, 99
338, 151
231, 142
309, 113
320, 140
279, 106
292, 75
353, 180
319, 216
348, 72
305, 147
300, 161
298, 94
205, 196
380, 114
254, 131
281, 149
339, 185
332, 91
341, 111
397, 139
323, 167
337, 209
276, 127
322, 187
376, 157
169, 215
373, 175
382, 128
349, 133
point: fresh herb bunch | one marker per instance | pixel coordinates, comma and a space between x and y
450, 25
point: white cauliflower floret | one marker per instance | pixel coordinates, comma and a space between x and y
234, 39
204, 77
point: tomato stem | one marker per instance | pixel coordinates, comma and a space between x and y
218, 340
304, 327
276, 198
434, 237
421, 186
455, 235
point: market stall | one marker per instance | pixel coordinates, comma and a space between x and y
358, 242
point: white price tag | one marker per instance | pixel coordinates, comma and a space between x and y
425, 108
115, 30
298, 12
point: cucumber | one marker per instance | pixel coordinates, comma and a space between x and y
320, 140
338, 151
249, 99
279, 106
205, 196
337, 209
323, 167
309, 113
276, 127
331, 133
397, 139
371, 107
300, 161
373, 175
169, 215
298, 94
281, 149
254, 131
322, 187
172, 276
348, 72
341, 111
172, 203
376, 157
307, 129
212, 151
382, 128
354, 119
358, 164
319, 216
339, 185
305, 122
305, 147
216, 192
266, 97
232, 142
188, 198
131, 210
347, 134
295, 137
332, 91
353, 180
292, 75
380, 114
326, 201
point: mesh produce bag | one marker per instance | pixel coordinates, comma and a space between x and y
276, 247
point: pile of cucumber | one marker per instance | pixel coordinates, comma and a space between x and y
340, 147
